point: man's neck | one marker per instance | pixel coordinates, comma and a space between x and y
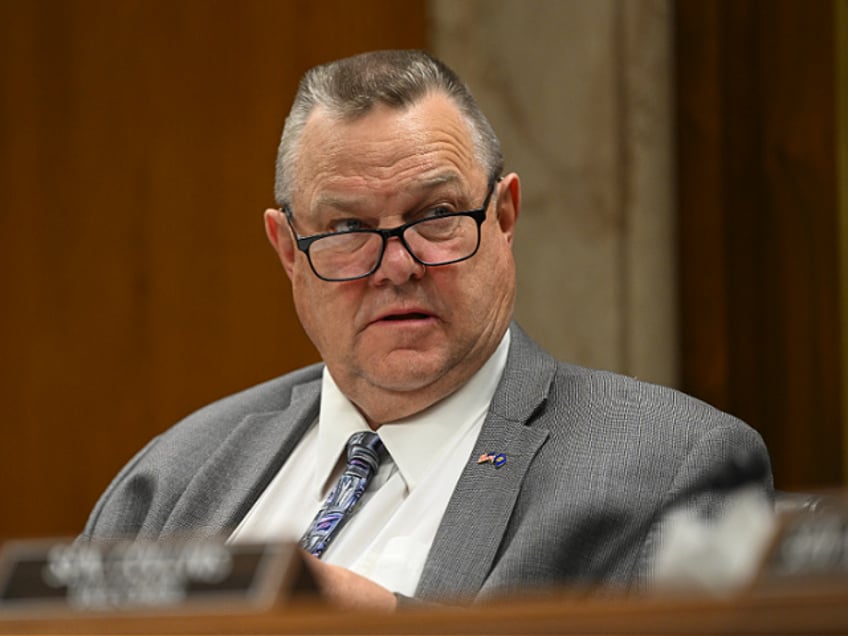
380, 405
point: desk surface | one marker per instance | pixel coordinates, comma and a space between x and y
798, 611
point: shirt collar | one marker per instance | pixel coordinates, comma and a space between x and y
415, 443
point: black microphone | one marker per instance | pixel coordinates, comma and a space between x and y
741, 469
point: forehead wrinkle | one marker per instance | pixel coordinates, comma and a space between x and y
396, 140
403, 155
394, 160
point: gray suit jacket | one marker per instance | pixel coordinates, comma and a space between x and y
594, 461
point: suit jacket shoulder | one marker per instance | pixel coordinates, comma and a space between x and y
204, 473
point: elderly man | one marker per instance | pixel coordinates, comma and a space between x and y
494, 467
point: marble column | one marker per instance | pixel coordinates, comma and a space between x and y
580, 94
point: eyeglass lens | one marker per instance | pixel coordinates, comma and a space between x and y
435, 241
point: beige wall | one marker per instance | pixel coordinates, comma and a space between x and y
579, 92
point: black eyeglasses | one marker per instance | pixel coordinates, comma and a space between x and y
438, 240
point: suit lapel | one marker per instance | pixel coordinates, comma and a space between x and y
228, 484
479, 510
476, 517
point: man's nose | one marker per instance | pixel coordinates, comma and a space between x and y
398, 265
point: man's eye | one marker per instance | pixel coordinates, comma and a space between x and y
347, 225
439, 210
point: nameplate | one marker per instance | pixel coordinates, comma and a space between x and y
185, 574
810, 548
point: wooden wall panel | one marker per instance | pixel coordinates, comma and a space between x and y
757, 194
137, 141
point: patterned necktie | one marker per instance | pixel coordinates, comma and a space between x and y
365, 451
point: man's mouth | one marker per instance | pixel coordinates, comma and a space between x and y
409, 316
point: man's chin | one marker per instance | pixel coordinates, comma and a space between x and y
404, 372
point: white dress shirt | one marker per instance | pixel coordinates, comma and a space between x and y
388, 538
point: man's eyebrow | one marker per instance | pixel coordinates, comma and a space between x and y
330, 200
346, 203
434, 181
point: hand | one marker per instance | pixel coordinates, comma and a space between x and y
347, 589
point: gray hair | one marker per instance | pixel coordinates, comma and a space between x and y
349, 88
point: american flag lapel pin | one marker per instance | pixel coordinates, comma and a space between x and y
498, 459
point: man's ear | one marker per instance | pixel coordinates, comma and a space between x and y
509, 205
281, 239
